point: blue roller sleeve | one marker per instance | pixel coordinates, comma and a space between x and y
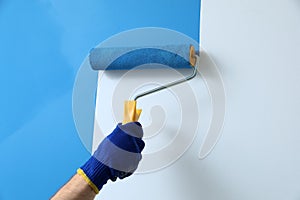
117, 156
174, 56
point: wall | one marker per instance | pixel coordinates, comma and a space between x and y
255, 44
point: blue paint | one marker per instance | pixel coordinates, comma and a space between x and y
39, 146
42, 44
102, 58
179, 15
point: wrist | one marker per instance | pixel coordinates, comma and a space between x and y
95, 173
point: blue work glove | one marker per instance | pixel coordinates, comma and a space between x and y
117, 156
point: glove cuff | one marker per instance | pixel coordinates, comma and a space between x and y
95, 173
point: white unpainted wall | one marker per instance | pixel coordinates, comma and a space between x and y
256, 46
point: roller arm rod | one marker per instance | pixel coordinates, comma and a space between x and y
157, 89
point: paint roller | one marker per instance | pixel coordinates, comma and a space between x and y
128, 58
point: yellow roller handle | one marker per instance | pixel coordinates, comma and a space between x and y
131, 113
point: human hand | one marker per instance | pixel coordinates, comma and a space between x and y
117, 156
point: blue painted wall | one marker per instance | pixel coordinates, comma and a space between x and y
42, 44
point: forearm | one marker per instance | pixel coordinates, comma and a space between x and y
76, 189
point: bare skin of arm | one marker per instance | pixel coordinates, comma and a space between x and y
76, 189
